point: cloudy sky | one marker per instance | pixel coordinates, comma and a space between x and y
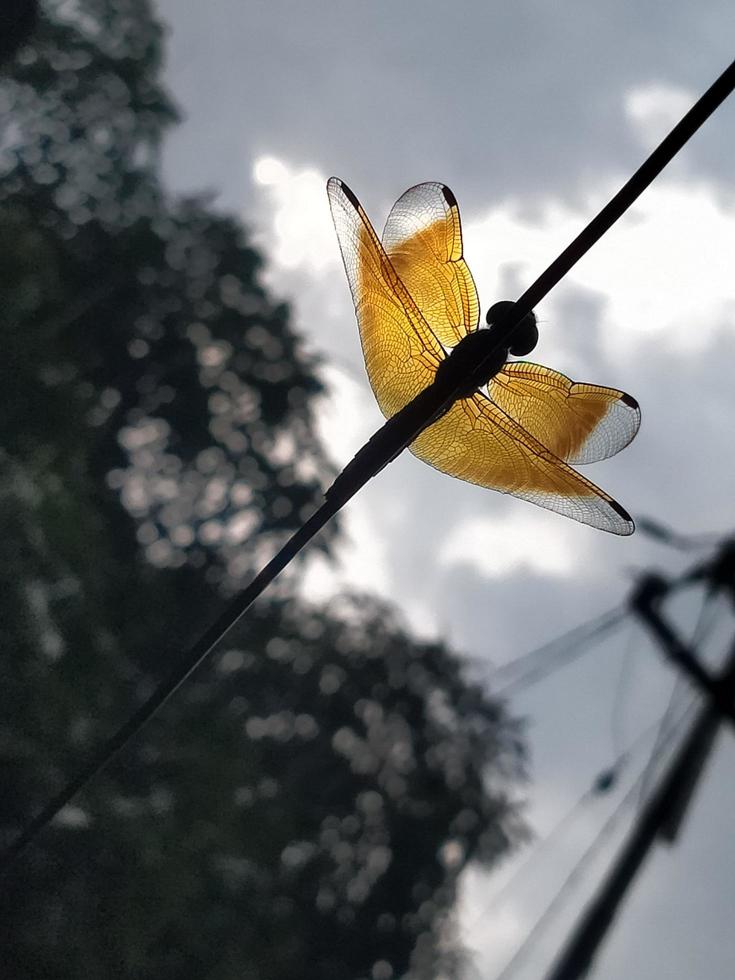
533, 114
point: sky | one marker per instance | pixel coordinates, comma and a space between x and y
534, 114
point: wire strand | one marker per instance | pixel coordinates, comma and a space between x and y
622, 694
603, 835
679, 690
339, 496
563, 650
616, 767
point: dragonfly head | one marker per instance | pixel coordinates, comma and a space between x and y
478, 356
524, 337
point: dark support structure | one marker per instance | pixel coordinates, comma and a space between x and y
663, 813
645, 603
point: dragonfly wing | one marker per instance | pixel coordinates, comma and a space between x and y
423, 238
476, 441
579, 423
401, 351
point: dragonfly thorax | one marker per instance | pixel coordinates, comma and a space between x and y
481, 354
472, 362
524, 337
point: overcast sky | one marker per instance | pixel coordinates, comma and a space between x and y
533, 113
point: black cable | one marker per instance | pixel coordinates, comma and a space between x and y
628, 193
399, 433
430, 404
195, 656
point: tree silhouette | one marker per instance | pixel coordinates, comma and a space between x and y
304, 806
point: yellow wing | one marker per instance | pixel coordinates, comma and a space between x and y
579, 423
417, 294
477, 442
423, 239
401, 351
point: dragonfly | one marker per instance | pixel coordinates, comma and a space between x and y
516, 427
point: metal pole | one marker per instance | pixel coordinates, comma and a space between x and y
665, 804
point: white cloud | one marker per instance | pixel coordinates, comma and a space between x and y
654, 109
496, 547
664, 270
301, 233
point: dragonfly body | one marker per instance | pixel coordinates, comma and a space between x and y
479, 355
447, 388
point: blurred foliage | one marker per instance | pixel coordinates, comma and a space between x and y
17, 23
305, 803
147, 317
303, 811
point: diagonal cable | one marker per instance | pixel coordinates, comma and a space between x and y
546, 659
397, 433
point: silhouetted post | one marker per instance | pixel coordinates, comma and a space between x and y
663, 813
645, 602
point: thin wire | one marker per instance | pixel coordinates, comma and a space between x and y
607, 830
506, 671
622, 692
666, 731
701, 628
618, 765
658, 531
563, 650
707, 617
588, 855
423, 415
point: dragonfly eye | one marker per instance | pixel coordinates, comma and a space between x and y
525, 336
